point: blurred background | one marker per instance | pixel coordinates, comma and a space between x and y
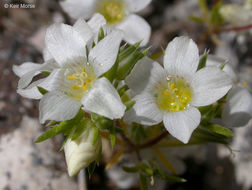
25, 165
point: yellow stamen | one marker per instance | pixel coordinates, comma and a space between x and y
244, 84
71, 78
75, 86
174, 96
84, 86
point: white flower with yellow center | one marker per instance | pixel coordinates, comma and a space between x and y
76, 81
237, 110
118, 13
173, 93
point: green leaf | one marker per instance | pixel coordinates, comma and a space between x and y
196, 19
131, 169
143, 182
45, 73
220, 130
96, 134
126, 52
112, 137
91, 169
79, 128
129, 104
203, 61
137, 132
216, 18
125, 69
53, 132
203, 6
101, 34
123, 89
42, 90
60, 128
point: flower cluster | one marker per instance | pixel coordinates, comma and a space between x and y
90, 87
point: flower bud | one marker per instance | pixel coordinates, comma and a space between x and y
236, 15
82, 151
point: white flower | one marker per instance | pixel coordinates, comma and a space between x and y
81, 152
28, 70
236, 15
76, 81
171, 94
237, 111
118, 13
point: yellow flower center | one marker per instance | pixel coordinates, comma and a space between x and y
112, 10
81, 81
174, 95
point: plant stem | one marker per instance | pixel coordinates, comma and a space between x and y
154, 141
234, 29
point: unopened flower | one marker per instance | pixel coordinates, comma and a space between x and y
118, 13
237, 111
173, 93
83, 151
77, 81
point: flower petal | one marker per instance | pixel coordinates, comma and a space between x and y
238, 109
146, 73
96, 22
137, 5
64, 43
104, 54
31, 91
79, 8
33, 70
217, 61
58, 107
46, 55
21, 70
181, 57
104, 100
209, 85
181, 124
145, 111
82, 27
135, 29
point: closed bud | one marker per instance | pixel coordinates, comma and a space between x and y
82, 151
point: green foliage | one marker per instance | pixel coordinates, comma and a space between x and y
137, 133
215, 18
203, 61
101, 34
196, 19
42, 90
218, 129
126, 68
61, 127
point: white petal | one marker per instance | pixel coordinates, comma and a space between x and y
21, 70
46, 55
58, 107
146, 73
217, 61
181, 124
145, 111
137, 5
238, 110
27, 77
209, 85
96, 22
104, 100
181, 57
79, 8
135, 29
104, 54
31, 91
64, 43
82, 27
